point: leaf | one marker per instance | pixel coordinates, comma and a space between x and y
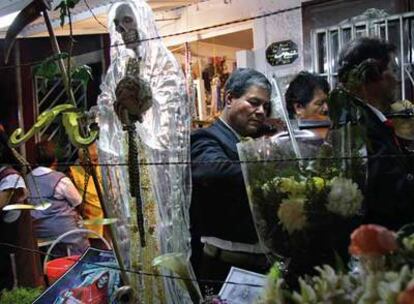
177, 263
64, 7
49, 69
82, 73
72, 3
63, 12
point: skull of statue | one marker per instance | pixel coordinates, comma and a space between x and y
126, 24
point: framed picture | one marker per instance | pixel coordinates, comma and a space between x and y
239, 293
94, 278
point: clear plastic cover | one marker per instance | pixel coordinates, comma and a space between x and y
304, 208
163, 138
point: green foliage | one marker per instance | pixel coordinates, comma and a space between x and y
83, 74
49, 70
20, 295
65, 6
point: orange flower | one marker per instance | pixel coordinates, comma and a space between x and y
372, 240
407, 296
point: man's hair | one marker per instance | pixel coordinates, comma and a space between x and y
301, 90
373, 51
45, 153
242, 79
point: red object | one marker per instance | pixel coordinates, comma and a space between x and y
95, 293
372, 240
58, 267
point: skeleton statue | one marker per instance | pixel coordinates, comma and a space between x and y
144, 87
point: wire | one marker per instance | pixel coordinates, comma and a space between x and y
131, 270
94, 16
294, 159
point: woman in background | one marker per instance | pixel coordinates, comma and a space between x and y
46, 185
16, 227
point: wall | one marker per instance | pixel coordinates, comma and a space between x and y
278, 27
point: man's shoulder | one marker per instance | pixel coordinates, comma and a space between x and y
217, 131
210, 131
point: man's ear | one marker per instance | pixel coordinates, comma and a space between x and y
298, 109
228, 99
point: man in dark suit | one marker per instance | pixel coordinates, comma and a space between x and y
367, 72
223, 233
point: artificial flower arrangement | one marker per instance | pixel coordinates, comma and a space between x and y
382, 272
304, 208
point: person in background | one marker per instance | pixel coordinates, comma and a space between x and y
306, 100
46, 185
91, 207
221, 223
306, 97
367, 71
16, 226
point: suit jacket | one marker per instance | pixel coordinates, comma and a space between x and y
219, 204
389, 196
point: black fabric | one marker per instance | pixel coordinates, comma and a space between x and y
389, 195
219, 205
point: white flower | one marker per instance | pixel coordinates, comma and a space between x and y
345, 198
292, 215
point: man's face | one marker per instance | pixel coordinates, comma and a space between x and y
316, 108
103, 280
382, 92
126, 25
389, 82
248, 113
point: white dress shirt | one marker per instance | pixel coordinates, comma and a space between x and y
377, 112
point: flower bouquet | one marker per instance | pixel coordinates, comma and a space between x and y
305, 207
382, 272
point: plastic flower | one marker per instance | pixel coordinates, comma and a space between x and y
292, 215
291, 186
372, 240
344, 198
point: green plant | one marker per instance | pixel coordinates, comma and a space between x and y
20, 295
64, 7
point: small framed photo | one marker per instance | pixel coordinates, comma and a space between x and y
239, 293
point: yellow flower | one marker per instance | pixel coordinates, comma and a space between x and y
291, 186
292, 215
319, 183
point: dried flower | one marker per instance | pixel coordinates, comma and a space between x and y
345, 198
292, 215
372, 240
